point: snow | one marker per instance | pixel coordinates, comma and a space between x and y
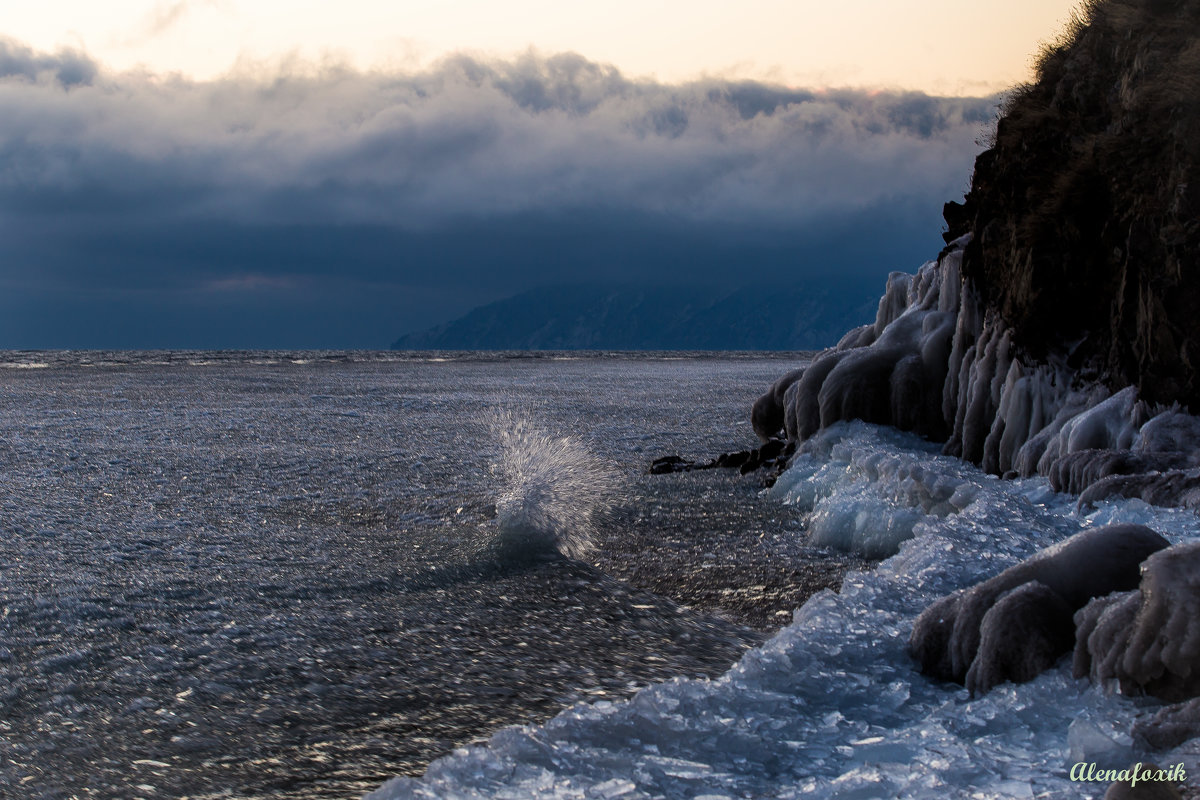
832, 706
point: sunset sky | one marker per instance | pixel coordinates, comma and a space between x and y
232, 174
935, 46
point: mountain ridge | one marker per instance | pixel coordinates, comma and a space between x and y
606, 316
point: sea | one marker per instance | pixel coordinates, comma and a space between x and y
301, 574
443, 575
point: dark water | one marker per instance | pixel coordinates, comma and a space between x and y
274, 574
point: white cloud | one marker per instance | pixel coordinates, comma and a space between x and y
468, 138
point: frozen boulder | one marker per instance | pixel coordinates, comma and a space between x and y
888, 372
1024, 633
1148, 640
1149, 787
1102, 627
1171, 431
946, 637
767, 415
931, 636
1170, 726
1178, 488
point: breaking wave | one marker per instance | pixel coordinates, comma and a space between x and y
833, 706
554, 491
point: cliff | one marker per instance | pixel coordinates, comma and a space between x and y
1057, 333
1086, 211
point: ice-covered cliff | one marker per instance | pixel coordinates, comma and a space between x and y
1057, 334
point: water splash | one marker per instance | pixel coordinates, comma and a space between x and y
554, 490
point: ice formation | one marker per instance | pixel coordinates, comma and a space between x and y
1170, 726
939, 362
832, 706
1032, 600
865, 495
1149, 639
1022, 635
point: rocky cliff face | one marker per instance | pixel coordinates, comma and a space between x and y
1086, 211
1059, 333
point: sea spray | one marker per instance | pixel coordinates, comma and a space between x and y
554, 490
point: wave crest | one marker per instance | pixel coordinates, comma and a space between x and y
554, 490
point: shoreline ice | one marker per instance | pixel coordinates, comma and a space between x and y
832, 706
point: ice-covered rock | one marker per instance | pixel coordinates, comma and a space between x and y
1149, 787
889, 372
1078, 471
1027, 630
767, 415
946, 637
1148, 640
1102, 627
1169, 488
941, 362
832, 707
1170, 726
1171, 431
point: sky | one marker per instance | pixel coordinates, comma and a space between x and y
220, 173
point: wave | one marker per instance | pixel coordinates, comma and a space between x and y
832, 706
553, 491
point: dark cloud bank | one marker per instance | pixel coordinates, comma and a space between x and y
332, 207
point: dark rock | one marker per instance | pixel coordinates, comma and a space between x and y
734, 460
667, 464
772, 454
958, 221
1084, 211
772, 450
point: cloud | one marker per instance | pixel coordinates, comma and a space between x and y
388, 178
165, 15
66, 67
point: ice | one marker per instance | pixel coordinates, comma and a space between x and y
865, 495
832, 706
1089, 741
1148, 639
940, 362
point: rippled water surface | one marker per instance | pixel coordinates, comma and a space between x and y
276, 574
